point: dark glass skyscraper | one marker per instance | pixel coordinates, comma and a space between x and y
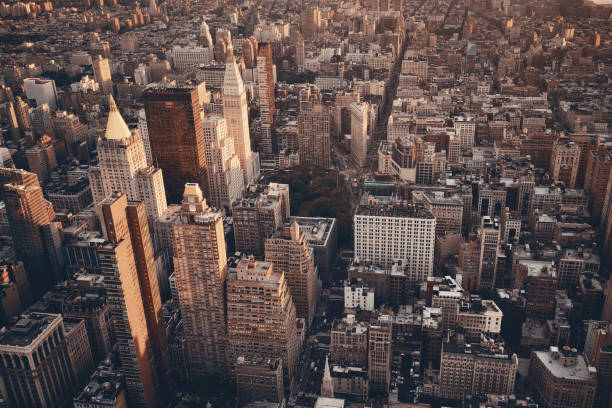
176, 138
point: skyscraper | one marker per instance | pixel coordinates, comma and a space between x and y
200, 268
134, 298
311, 22
147, 277
313, 136
102, 74
598, 170
176, 138
17, 176
489, 242
225, 178
300, 52
235, 111
564, 162
41, 159
265, 81
381, 223
288, 250
255, 289
379, 353
205, 37
258, 216
359, 132
35, 235
122, 166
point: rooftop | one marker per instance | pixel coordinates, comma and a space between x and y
316, 229
105, 385
27, 329
566, 364
391, 209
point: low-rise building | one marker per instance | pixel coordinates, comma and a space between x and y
562, 378
468, 368
259, 378
106, 388
350, 381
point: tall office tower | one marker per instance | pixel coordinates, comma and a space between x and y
36, 238
489, 243
69, 128
41, 160
313, 136
288, 250
382, 223
225, 179
38, 369
525, 198
102, 74
454, 149
254, 290
123, 220
175, 135
564, 162
22, 113
599, 167
41, 91
200, 268
122, 166
359, 132
221, 50
379, 353
587, 143
265, 83
249, 52
132, 304
205, 36
235, 111
342, 113
258, 216
311, 22
606, 220
476, 368
300, 52
16, 176
13, 123
510, 227
597, 351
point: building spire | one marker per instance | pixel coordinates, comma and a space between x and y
327, 386
232, 80
115, 125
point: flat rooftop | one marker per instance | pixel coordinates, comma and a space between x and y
557, 367
391, 210
27, 329
316, 229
